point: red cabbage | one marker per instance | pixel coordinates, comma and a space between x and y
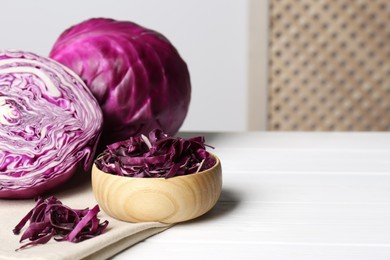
51, 219
136, 74
159, 156
49, 124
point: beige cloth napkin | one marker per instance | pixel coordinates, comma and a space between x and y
77, 193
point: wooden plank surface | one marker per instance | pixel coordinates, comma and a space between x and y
289, 196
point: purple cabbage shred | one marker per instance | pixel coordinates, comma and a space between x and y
51, 219
156, 156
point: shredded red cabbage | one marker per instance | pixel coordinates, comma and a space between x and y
51, 219
159, 156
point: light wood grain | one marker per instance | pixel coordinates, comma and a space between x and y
170, 200
289, 196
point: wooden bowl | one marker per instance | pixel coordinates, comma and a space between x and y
163, 200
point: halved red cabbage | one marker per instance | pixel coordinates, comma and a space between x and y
159, 156
50, 218
49, 124
135, 73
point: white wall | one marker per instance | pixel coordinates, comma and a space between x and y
211, 35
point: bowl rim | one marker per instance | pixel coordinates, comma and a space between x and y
217, 164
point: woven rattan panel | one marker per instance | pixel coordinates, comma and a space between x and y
329, 65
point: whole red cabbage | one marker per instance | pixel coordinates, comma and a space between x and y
136, 74
49, 124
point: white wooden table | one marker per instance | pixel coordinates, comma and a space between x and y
289, 196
